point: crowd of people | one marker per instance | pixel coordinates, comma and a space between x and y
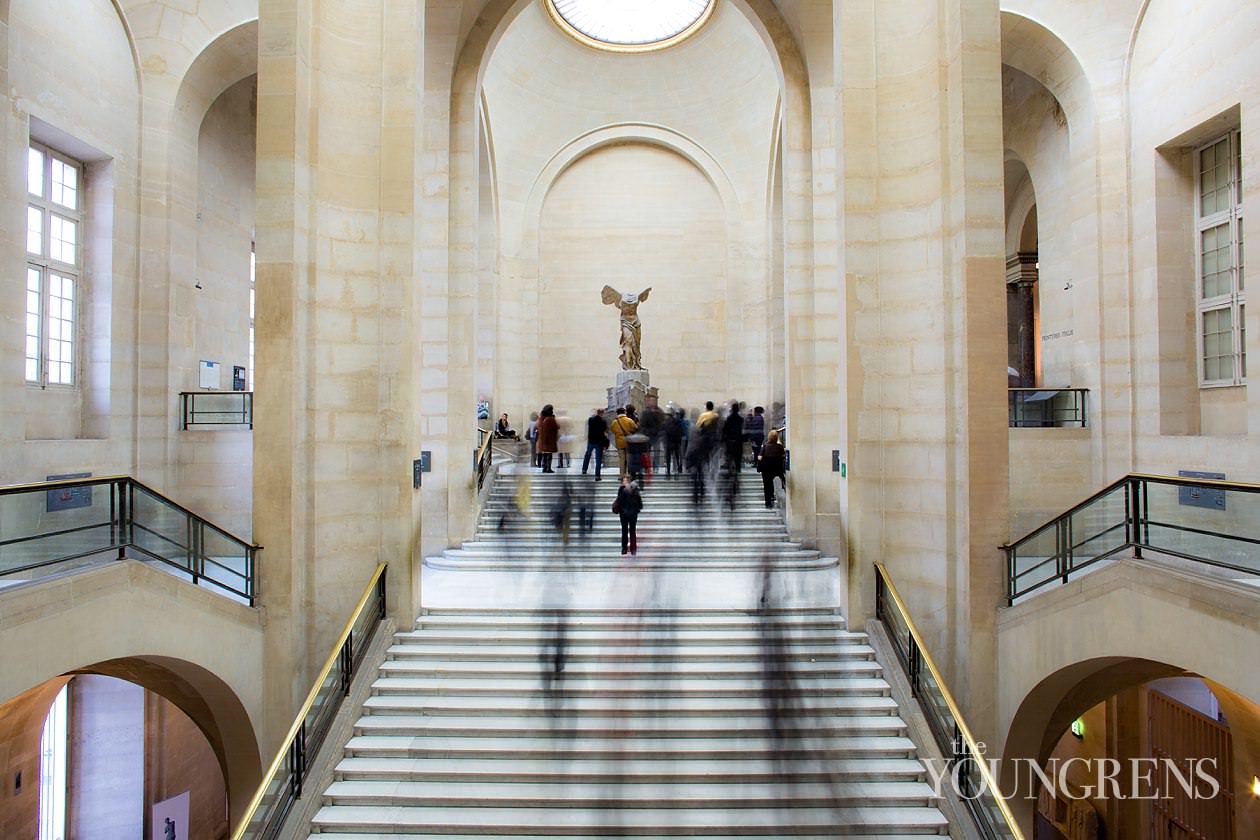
712, 448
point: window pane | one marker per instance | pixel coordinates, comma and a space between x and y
61, 330
1239, 227
34, 230
1218, 345
35, 172
65, 184
1242, 340
64, 240
33, 278
1215, 261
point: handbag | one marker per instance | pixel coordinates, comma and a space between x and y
616, 508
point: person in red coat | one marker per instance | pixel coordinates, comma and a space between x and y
548, 436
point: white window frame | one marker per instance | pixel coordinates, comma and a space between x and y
1234, 299
46, 266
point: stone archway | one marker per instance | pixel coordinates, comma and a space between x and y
205, 699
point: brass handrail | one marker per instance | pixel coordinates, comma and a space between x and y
963, 730
311, 696
1182, 480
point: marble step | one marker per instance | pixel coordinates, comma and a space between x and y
761, 770
672, 657
647, 560
467, 687
564, 725
647, 635
667, 822
619, 619
711, 795
581, 673
618, 748
537, 705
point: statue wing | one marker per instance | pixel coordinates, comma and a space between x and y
610, 295
643, 294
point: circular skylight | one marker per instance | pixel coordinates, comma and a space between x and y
630, 25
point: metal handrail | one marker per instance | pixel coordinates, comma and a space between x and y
485, 457
919, 653
376, 586
1136, 523
124, 527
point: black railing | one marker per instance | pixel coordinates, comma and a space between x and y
1212, 522
283, 783
216, 408
1040, 408
965, 762
58, 526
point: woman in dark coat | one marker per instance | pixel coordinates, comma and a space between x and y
629, 503
771, 464
548, 436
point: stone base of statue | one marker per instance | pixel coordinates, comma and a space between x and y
633, 388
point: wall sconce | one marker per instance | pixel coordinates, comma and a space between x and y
1255, 786
1067, 287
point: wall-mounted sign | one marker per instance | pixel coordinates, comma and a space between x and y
68, 498
1204, 497
238, 378
208, 375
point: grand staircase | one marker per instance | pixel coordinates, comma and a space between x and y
573, 716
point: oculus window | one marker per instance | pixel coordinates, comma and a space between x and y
630, 25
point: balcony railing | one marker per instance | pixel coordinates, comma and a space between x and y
968, 769
59, 526
1047, 408
216, 408
1216, 523
283, 783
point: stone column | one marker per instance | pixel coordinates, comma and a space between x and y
1021, 283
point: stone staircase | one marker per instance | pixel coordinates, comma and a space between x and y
573, 719
674, 533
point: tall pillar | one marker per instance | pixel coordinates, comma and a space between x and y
1021, 284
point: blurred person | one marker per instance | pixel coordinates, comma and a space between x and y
733, 438
623, 425
732, 454
772, 463
561, 509
548, 436
517, 512
596, 441
564, 449
584, 500
672, 434
628, 505
531, 434
755, 430
651, 423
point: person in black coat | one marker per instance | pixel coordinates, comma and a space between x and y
771, 462
596, 441
629, 503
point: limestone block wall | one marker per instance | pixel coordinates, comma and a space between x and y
547, 104
215, 466
72, 85
634, 217
1195, 83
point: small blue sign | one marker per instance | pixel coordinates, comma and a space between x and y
68, 498
1204, 497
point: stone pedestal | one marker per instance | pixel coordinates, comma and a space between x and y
633, 388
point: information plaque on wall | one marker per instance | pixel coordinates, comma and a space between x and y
68, 498
1205, 497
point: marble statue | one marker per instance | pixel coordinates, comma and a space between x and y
631, 327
